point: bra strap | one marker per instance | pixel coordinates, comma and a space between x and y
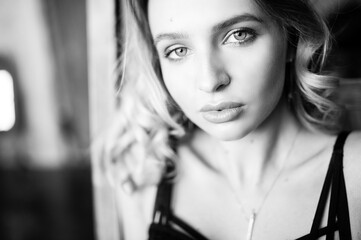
340, 142
162, 202
343, 211
334, 180
339, 207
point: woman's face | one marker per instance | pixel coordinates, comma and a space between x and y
222, 61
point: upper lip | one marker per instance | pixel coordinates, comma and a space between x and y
220, 106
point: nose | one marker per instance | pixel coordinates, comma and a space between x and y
212, 76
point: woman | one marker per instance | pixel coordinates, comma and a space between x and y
226, 126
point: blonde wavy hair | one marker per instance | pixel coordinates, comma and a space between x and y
139, 146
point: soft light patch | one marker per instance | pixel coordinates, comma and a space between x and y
7, 104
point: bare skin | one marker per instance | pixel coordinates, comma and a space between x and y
203, 195
237, 160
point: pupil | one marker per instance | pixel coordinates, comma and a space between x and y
240, 35
181, 51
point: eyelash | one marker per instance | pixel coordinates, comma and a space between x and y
250, 36
168, 52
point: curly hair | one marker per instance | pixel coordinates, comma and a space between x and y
140, 144
311, 90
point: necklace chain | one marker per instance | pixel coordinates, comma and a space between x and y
252, 217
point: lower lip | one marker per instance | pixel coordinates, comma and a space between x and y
225, 115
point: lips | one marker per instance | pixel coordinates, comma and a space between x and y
222, 112
220, 106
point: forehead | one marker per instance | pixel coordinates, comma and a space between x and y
188, 15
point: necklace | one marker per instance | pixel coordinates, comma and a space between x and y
252, 217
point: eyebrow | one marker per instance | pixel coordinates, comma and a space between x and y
169, 36
234, 20
217, 28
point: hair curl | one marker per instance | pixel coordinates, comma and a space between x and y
138, 146
311, 89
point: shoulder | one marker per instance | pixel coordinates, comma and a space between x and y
353, 145
352, 159
352, 156
135, 211
352, 167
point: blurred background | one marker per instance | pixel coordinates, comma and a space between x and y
45, 177
46, 187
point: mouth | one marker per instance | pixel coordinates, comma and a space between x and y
222, 112
220, 106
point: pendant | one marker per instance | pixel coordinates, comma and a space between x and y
252, 220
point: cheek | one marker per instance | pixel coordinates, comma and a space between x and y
178, 86
264, 71
269, 77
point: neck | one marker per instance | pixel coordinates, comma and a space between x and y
254, 160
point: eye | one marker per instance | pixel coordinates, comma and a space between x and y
177, 53
239, 36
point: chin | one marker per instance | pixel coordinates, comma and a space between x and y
226, 132
229, 136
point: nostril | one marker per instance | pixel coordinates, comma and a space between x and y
221, 87
224, 81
